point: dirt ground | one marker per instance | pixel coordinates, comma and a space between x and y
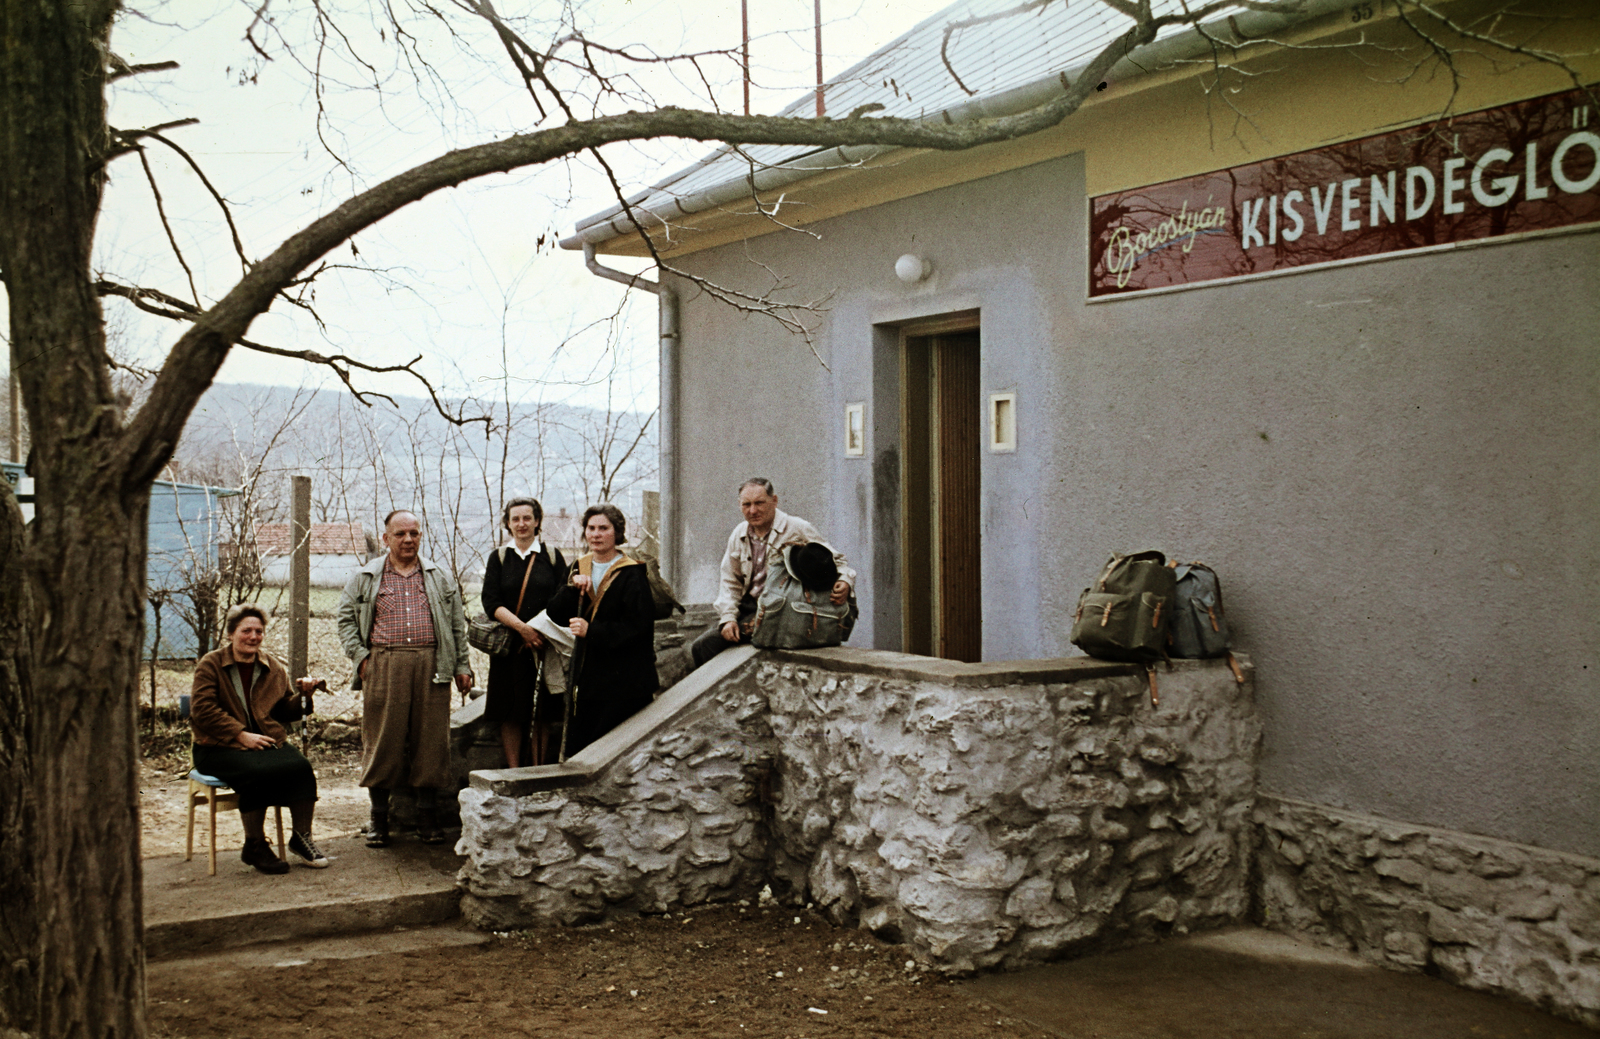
729, 971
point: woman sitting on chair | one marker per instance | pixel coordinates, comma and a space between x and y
241, 699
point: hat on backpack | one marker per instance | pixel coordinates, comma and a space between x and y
813, 565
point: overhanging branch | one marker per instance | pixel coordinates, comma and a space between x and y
195, 358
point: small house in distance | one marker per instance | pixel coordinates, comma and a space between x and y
184, 531
336, 550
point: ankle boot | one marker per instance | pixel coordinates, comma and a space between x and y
428, 830
377, 832
258, 853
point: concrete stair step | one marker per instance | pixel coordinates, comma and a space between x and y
187, 912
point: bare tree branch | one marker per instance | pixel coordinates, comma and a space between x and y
176, 309
120, 69
161, 211
222, 203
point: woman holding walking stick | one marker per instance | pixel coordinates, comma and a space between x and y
608, 608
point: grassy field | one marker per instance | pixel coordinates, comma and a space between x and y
324, 601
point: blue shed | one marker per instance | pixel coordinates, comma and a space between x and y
186, 526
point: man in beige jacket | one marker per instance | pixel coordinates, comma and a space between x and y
752, 546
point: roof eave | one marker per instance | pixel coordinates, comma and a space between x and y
611, 224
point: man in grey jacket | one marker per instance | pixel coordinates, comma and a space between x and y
752, 546
403, 625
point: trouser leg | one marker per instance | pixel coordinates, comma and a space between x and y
429, 764
709, 643
398, 682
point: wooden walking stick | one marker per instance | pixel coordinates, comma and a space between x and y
571, 706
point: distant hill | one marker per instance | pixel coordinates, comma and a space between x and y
364, 461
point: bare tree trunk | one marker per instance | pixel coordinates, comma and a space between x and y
86, 553
19, 924
85, 760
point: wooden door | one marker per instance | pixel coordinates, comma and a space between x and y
942, 526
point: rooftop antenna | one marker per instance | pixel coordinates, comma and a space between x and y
817, 7
744, 18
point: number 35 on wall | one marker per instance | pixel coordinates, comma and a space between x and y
1361, 12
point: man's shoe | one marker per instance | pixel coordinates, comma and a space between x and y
302, 845
258, 853
428, 829
377, 831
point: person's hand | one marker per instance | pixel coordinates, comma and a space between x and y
311, 685
841, 592
579, 627
361, 668
254, 741
730, 631
531, 637
582, 583
464, 683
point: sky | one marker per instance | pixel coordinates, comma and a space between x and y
471, 278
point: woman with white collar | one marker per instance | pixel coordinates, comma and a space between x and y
518, 580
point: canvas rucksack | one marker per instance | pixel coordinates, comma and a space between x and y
660, 591
788, 616
666, 602
1199, 626
1124, 614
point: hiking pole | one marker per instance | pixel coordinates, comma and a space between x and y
571, 706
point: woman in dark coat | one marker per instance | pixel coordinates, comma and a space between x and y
609, 607
239, 704
513, 679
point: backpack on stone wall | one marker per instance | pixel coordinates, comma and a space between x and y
1124, 614
1199, 627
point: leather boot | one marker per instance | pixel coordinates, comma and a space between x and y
428, 830
377, 832
258, 853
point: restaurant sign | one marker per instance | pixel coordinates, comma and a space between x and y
1530, 166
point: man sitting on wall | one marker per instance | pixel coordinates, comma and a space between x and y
753, 545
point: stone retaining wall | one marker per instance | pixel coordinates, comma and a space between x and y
983, 814
1484, 913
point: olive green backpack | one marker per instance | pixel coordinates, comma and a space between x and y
1124, 615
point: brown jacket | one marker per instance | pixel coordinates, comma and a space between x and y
215, 714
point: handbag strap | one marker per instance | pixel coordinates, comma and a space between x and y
527, 573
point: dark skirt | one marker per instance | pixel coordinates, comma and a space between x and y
280, 776
598, 712
512, 681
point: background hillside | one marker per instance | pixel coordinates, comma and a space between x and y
364, 461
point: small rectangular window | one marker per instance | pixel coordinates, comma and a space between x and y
1002, 422
855, 429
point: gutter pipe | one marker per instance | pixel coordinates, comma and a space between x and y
1155, 56
667, 411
